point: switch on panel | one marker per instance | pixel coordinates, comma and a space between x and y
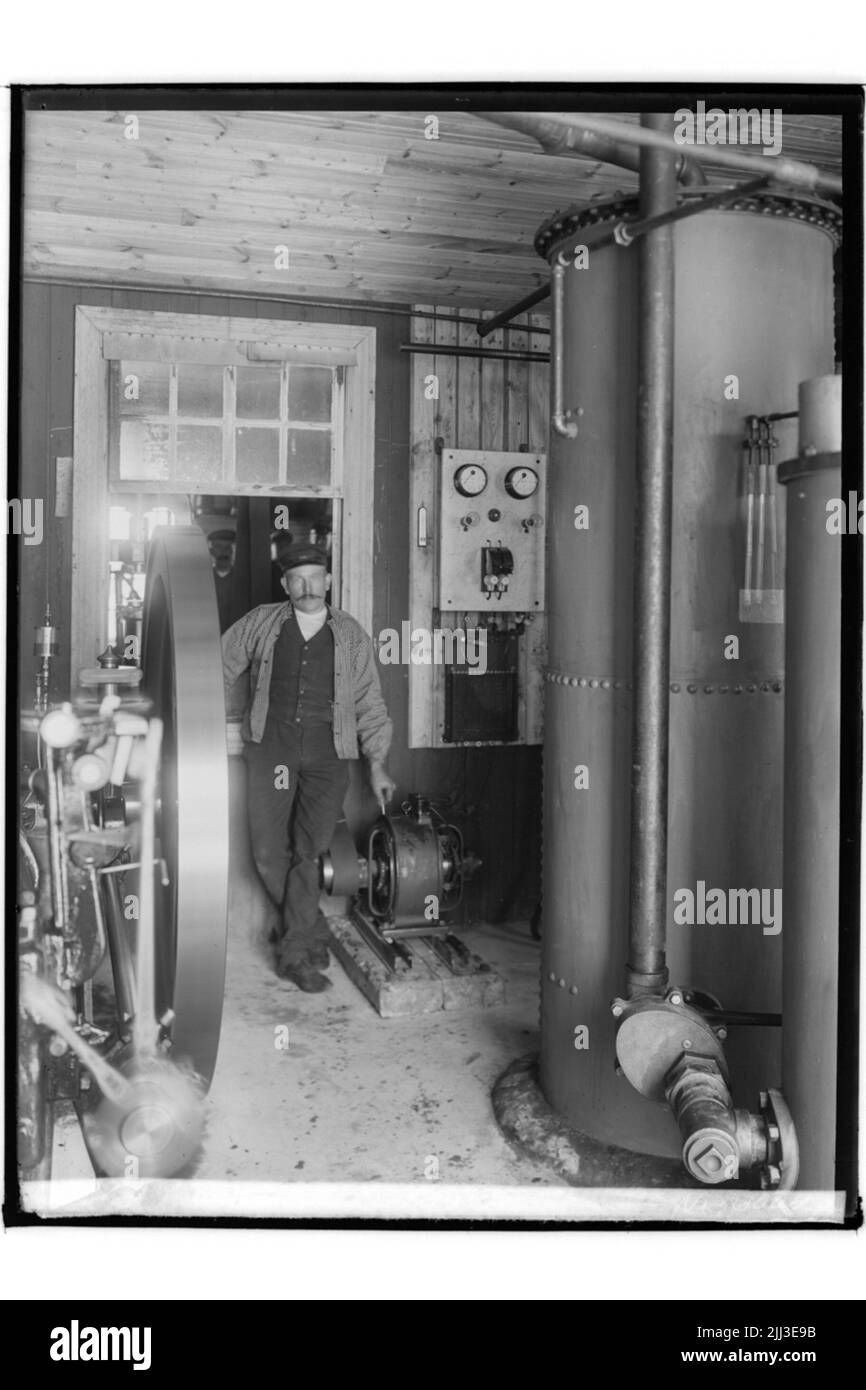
497, 564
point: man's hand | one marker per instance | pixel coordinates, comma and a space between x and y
383, 787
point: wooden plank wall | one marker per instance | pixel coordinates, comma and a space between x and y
500, 824
494, 405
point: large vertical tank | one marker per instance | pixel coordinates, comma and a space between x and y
753, 318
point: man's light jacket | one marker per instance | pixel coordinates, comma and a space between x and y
360, 718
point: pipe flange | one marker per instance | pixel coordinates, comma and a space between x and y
563, 225
782, 1168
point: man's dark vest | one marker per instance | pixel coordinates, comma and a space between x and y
302, 677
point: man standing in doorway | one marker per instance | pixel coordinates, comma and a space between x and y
221, 545
315, 702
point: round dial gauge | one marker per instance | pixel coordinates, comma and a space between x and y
521, 482
470, 479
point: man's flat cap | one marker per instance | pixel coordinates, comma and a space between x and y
221, 536
301, 554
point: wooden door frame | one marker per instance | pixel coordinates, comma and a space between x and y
338, 344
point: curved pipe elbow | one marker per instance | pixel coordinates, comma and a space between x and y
567, 428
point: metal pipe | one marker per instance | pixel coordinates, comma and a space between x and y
646, 971
575, 139
624, 233
450, 350
505, 316
55, 845
795, 172
746, 1018
558, 419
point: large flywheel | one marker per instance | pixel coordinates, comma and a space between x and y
182, 665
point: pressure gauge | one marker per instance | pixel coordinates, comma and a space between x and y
521, 482
470, 480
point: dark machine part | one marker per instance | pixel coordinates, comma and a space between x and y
183, 677
411, 877
497, 564
415, 868
813, 632
484, 708
669, 1052
120, 950
738, 277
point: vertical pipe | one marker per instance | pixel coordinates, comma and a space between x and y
646, 970
810, 903
567, 428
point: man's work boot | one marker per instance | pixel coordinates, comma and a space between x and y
320, 956
304, 975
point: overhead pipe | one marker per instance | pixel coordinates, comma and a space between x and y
498, 354
794, 172
573, 138
646, 971
487, 326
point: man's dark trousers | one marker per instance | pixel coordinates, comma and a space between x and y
296, 786
291, 825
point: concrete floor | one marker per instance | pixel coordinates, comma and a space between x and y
346, 1096
370, 1118
320, 1089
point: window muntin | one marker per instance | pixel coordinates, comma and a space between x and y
200, 426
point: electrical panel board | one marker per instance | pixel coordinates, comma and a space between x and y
492, 519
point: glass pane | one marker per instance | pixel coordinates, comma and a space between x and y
199, 389
258, 393
310, 393
142, 388
199, 453
143, 449
257, 454
309, 458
